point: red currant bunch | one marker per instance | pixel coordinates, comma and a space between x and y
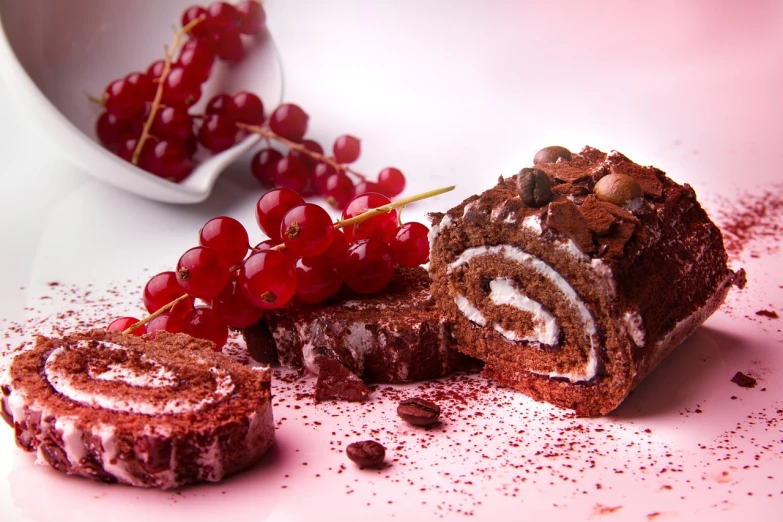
307, 258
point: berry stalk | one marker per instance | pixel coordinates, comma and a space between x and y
145, 132
268, 134
163, 309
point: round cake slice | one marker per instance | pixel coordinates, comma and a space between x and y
160, 412
572, 280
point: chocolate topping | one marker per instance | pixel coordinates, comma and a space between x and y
566, 218
335, 381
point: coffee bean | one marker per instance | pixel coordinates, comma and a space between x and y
534, 187
419, 412
551, 155
618, 189
366, 453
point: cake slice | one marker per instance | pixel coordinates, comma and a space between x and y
152, 413
572, 280
396, 335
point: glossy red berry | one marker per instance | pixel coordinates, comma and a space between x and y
229, 46
320, 173
338, 190
180, 89
160, 290
219, 104
263, 165
311, 146
363, 187
272, 207
123, 323
291, 173
172, 123
252, 17
247, 108
346, 149
165, 322
196, 58
221, 18
368, 266
109, 130
227, 237
155, 70
337, 246
122, 99
410, 245
268, 279
199, 30
168, 160
306, 230
204, 323
289, 121
218, 132
143, 84
382, 226
201, 272
317, 279
391, 181
233, 307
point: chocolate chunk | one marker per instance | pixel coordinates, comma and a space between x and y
366, 453
614, 245
565, 172
419, 412
746, 381
534, 187
260, 344
618, 189
335, 381
564, 216
601, 215
551, 155
771, 314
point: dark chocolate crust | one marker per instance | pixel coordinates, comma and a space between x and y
151, 413
643, 277
396, 335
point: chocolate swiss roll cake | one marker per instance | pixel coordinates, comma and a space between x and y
573, 279
396, 335
152, 413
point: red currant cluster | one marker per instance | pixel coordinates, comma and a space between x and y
307, 257
146, 119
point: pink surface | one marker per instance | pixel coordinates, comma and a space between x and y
458, 92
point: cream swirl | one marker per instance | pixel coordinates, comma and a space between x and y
72, 387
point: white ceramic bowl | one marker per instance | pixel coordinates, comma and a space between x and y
54, 53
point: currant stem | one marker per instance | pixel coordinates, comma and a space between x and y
391, 206
163, 309
298, 147
145, 132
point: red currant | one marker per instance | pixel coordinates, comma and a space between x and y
169, 160
346, 149
228, 46
247, 108
143, 84
234, 309
252, 16
363, 187
263, 165
317, 279
162, 289
172, 123
268, 279
122, 99
321, 173
391, 181
203, 323
110, 130
196, 58
123, 323
221, 18
165, 322
368, 266
312, 146
291, 173
337, 246
272, 207
289, 121
410, 245
219, 104
218, 132
201, 272
155, 70
179, 89
306, 230
338, 190
200, 30
382, 226
227, 237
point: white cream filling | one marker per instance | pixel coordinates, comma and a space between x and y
635, 327
516, 254
533, 224
159, 379
445, 223
503, 291
65, 384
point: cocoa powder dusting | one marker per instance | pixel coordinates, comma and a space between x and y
751, 217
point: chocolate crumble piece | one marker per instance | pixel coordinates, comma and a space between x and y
336, 382
740, 379
771, 314
566, 218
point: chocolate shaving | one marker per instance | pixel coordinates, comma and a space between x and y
598, 218
335, 381
565, 172
740, 379
565, 217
